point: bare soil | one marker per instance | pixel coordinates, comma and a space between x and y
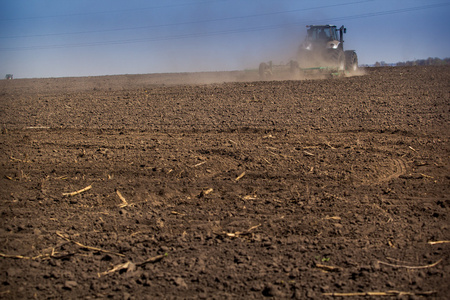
199, 186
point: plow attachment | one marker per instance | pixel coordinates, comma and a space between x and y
292, 70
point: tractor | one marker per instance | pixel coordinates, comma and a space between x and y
322, 52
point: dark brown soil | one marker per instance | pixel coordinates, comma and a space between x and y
241, 190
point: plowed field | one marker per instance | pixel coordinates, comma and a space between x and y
199, 186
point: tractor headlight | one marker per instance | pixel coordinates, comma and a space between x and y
332, 45
307, 46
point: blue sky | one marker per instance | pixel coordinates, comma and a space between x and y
57, 38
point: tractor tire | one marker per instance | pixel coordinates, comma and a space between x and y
337, 59
341, 61
264, 71
351, 61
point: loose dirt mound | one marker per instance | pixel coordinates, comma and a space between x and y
123, 187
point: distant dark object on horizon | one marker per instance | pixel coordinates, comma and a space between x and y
426, 62
430, 61
9, 76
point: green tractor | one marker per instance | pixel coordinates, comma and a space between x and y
321, 52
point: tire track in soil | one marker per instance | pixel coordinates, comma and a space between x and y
399, 168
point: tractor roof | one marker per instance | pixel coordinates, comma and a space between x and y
326, 26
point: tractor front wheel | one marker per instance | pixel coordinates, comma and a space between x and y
337, 59
351, 61
264, 71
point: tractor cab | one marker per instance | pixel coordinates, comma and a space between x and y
328, 35
325, 33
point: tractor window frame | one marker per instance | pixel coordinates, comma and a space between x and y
328, 33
